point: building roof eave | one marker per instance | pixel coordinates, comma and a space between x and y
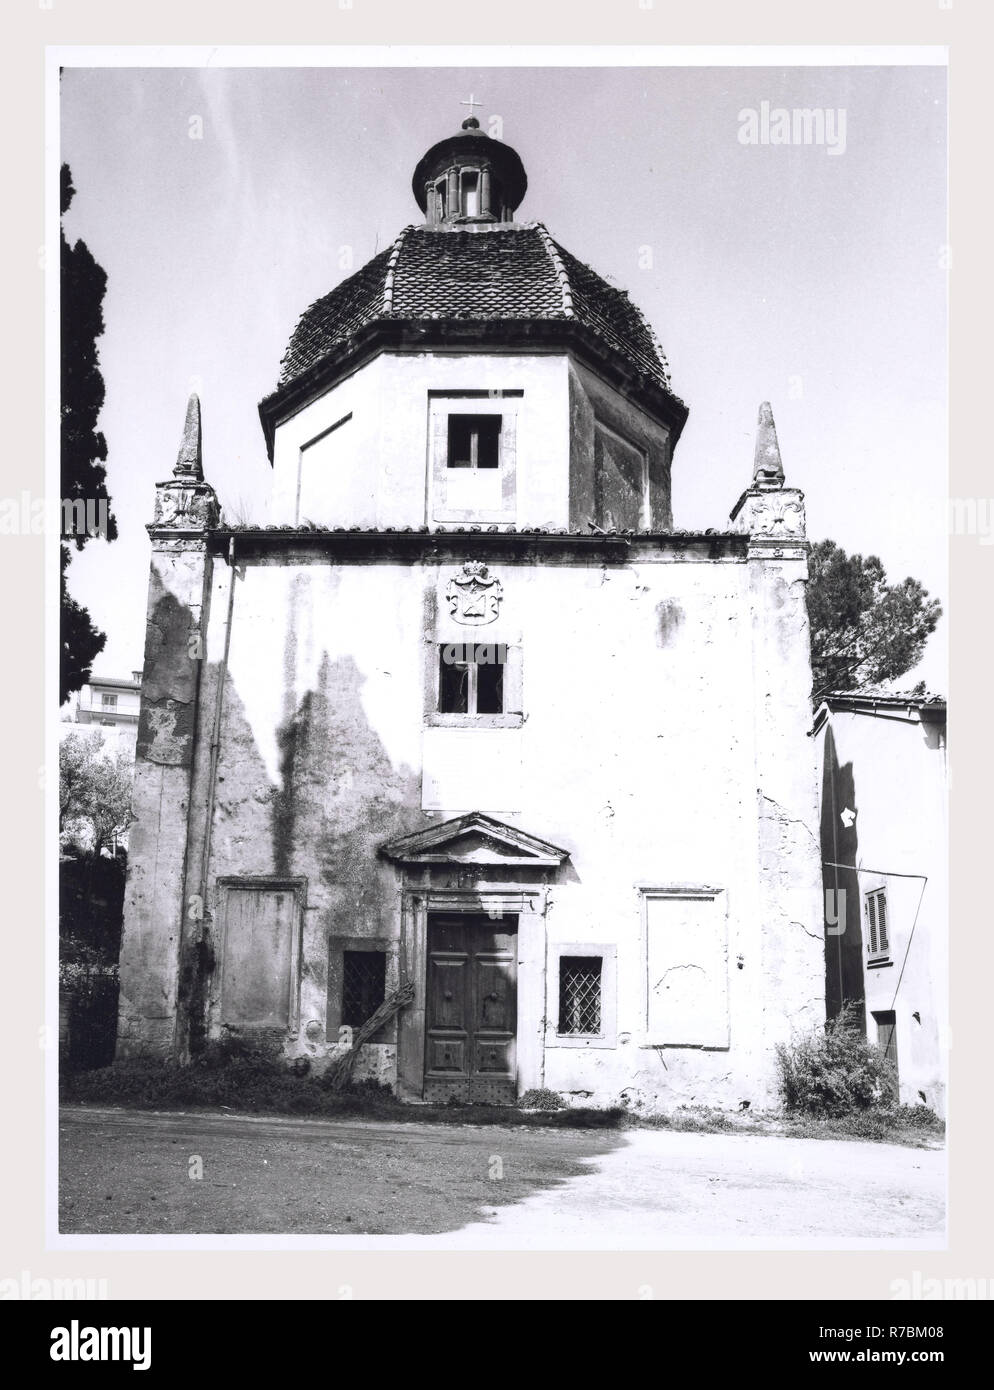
927, 707
419, 335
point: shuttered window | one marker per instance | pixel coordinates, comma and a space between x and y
877, 939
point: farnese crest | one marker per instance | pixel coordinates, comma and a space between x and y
474, 596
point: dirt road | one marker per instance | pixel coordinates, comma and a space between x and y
472, 1187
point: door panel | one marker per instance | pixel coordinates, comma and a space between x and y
471, 1009
447, 1055
447, 1001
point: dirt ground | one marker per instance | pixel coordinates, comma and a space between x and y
132, 1172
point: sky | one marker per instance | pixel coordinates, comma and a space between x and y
787, 273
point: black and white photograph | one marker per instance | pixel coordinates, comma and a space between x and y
498, 515
502, 787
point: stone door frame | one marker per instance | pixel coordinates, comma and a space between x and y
528, 903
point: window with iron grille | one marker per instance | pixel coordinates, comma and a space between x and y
580, 994
877, 939
363, 985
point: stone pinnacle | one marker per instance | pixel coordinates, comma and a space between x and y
189, 460
768, 471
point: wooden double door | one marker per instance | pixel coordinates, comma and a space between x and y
471, 1008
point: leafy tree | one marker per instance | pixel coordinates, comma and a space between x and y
83, 447
94, 791
863, 630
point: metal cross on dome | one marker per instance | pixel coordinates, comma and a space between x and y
471, 103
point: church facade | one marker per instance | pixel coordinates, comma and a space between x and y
471, 717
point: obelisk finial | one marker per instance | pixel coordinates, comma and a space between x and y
768, 472
189, 460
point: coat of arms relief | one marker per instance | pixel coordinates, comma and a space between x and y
474, 595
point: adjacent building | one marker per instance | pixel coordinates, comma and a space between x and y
111, 704
884, 851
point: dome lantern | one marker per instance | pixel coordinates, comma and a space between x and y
469, 180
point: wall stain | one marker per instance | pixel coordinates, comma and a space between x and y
669, 620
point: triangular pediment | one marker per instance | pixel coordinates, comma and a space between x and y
474, 839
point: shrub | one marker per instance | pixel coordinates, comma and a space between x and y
541, 1098
916, 1117
834, 1071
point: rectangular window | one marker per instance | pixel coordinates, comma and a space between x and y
471, 677
471, 193
474, 441
364, 976
886, 1021
472, 454
108, 701
877, 939
580, 995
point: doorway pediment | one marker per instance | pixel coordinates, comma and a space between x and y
474, 839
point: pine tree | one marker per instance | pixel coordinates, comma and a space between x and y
863, 630
83, 447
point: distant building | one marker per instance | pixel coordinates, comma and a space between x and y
111, 704
884, 852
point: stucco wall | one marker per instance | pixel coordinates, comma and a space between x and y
384, 460
361, 454
154, 905
638, 752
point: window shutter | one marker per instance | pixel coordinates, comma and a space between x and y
438, 446
871, 914
513, 692
882, 940
509, 459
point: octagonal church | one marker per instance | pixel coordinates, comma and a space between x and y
470, 738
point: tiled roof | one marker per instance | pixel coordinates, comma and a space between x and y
336, 317
506, 272
613, 315
307, 528
837, 699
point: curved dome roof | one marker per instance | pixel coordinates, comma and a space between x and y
507, 272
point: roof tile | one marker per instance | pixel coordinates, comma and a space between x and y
507, 272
